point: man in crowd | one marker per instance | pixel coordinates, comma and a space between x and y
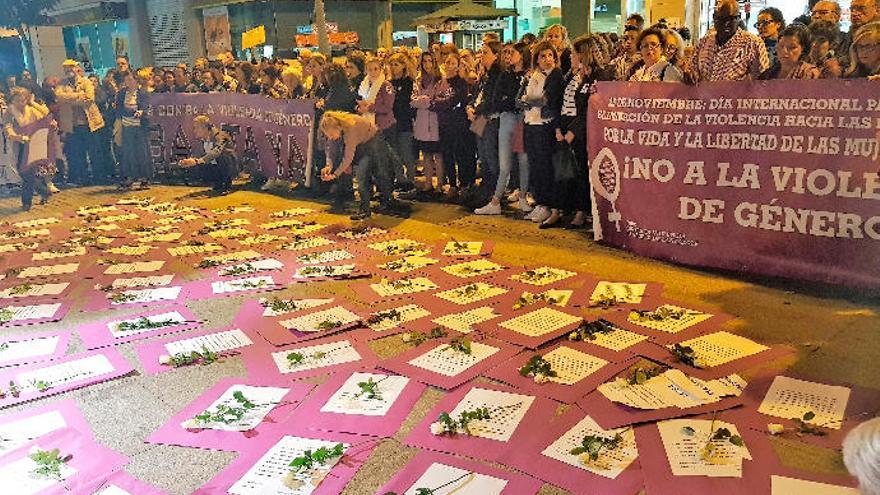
635, 20
80, 120
728, 52
122, 65
629, 53
770, 23
825, 15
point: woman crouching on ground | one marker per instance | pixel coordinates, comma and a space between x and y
367, 152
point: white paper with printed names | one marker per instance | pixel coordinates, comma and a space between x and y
62, 374
264, 400
215, 342
266, 476
456, 481
350, 398
610, 462
315, 356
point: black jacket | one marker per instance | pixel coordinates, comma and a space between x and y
489, 89
404, 113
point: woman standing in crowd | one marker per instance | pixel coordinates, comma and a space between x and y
292, 78
557, 36
484, 116
24, 111
426, 129
363, 149
273, 86
135, 163
376, 102
542, 102
674, 49
354, 69
245, 74
588, 66
456, 139
653, 66
517, 58
865, 52
401, 137
792, 51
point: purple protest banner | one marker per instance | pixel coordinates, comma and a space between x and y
274, 135
773, 178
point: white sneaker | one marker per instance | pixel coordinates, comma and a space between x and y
489, 209
536, 212
52, 188
513, 197
543, 214
531, 199
524, 205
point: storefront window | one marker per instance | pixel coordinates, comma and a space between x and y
96, 46
536, 15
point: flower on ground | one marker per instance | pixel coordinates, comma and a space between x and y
437, 428
775, 428
165, 359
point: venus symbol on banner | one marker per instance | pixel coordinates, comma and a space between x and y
605, 178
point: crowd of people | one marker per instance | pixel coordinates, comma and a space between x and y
502, 125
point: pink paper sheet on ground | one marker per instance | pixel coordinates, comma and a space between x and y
173, 433
863, 404
365, 294
88, 461
75, 371
842, 480
715, 322
495, 328
227, 339
400, 364
32, 347
277, 335
120, 483
99, 334
530, 460
661, 354
388, 324
755, 473
36, 313
344, 353
333, 484
22, 427
613, 415
250, 313
403, 481
537, 416
379, 425
508, 372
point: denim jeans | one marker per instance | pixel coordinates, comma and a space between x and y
370, 166
506, 124
487, 149
402, 143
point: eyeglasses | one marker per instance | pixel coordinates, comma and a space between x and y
817, 13
860, 9
761, 24
873, 47
649, 46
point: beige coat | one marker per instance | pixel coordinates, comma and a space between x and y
82, 94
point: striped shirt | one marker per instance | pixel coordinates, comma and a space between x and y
742, 58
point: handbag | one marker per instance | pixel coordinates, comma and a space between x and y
564, 163
478, 125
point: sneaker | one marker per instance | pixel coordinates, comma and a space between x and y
533, 213
52, 188
269, 184
524, 205
513, 197
489, 209
543, 213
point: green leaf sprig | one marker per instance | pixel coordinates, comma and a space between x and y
144, 323
466, 477
295, 358
122, 297
685, 354
313, 459
370, 389
593, 445
538, 368
226, 414
236, 270
49, 463
390, 315
20, 289
589, 330
641, 374
804, 428
461, 345
662, 313
203, 357
452, 426
329, 325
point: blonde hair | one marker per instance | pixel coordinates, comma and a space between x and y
871, 29
335, 119
17, 91
861, 454
566, 42
405, 61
